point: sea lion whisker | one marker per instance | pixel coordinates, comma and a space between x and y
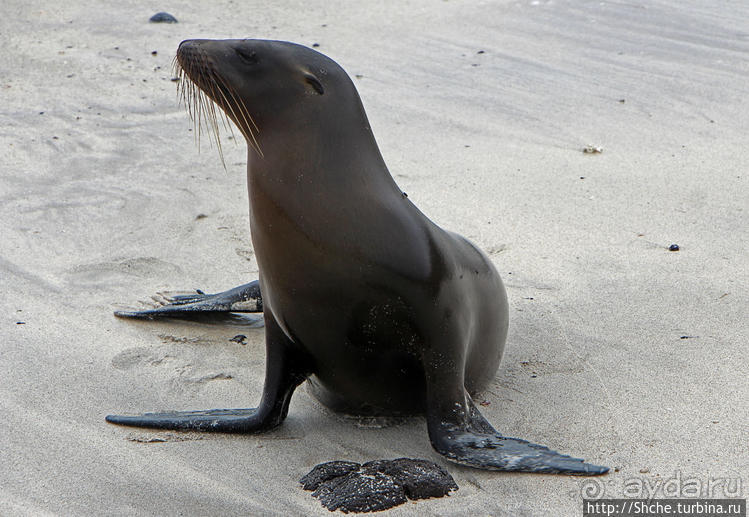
206, 117
184, 87
250, 137
249, 115
249, 123
214, 128
224, 105
252, 140
221, 86
236, 101
201, 104
200, 108
225, 119
185, 97
201, 95
194, 102
215, 96
212, 116
224, 116
198, 117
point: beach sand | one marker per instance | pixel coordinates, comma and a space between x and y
620, 351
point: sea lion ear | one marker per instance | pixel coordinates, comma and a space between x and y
314, 82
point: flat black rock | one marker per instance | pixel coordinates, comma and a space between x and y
376, 485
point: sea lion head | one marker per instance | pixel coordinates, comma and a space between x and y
264, 87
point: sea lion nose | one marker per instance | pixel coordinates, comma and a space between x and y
187, 44
187, 48
194, 45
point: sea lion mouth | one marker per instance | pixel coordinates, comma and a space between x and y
201, 89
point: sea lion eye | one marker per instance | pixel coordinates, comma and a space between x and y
247, 56
315, 83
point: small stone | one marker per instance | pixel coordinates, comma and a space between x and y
239, 338
673, 247
162, 17
644, 470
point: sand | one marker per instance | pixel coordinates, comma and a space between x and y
620, 351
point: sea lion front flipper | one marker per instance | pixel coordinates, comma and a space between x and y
461, 434
287, 366
245, 298
479, 445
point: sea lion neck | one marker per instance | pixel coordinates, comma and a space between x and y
334, 156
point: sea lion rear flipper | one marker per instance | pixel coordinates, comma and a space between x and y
462, 434
287, 366
245, 298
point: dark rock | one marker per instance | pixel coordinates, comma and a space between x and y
359, 492
239, 338
326, 471
421, 479
162, 18
376, 485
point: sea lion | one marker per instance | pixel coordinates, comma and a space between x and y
378, 308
